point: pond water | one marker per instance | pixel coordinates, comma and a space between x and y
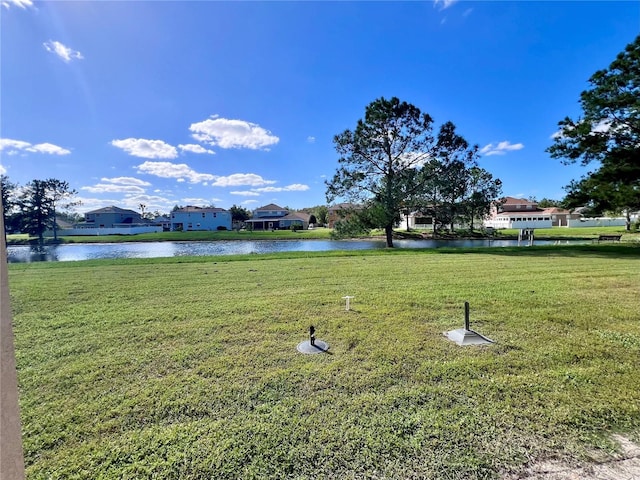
92, 251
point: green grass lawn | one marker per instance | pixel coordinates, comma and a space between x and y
187, 368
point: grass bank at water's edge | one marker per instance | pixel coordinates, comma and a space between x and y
187, 368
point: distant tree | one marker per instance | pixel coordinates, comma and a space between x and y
482, 190
448, 179
8, 201
59, 194
608, 134
38, 202
548, 203
35, 208
239, 214
455, 158
359, 222
322, 214
379, 158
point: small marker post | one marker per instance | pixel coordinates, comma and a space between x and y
347, 298
312, 345
466, 336
466, 316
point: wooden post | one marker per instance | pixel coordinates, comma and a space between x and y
11, 456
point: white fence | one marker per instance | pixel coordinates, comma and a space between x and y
504, 222
598, 222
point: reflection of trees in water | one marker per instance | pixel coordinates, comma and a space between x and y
42, 253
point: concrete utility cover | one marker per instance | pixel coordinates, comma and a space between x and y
463, 336
319, 347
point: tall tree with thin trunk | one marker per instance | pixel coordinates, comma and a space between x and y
608, 134
59, 194
380, 157
482, 190
38, 203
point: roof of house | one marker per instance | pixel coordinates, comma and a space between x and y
555, 210
523, 213
271, 206
113, 209
297, 216
517, 201
191, 208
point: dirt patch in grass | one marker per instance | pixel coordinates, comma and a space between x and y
625, 465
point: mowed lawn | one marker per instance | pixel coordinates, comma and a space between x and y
188, 369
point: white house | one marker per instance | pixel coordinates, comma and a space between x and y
520, 213
200, 218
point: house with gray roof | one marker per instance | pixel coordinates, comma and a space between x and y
192, 218
274, 217
111, 217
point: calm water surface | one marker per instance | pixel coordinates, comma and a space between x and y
92, 251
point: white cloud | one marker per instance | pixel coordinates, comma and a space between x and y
131, 201
444, 4
226, 133
140, 147
246, 193
311, 139
2, 170
48, 148
65, 53
151, 202
118, 185
180, 171
126, 181
296, 187
113, 188
10, 145
467, 12
24, 4
241, 179
194, 201
501, 148
13, 147
195, 149
249, 202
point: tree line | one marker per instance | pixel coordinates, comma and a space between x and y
393, 162
34, 207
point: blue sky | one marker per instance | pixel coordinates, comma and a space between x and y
201, 103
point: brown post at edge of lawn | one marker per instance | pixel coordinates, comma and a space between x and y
11, 456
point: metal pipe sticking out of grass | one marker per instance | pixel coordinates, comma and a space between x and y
466, 336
